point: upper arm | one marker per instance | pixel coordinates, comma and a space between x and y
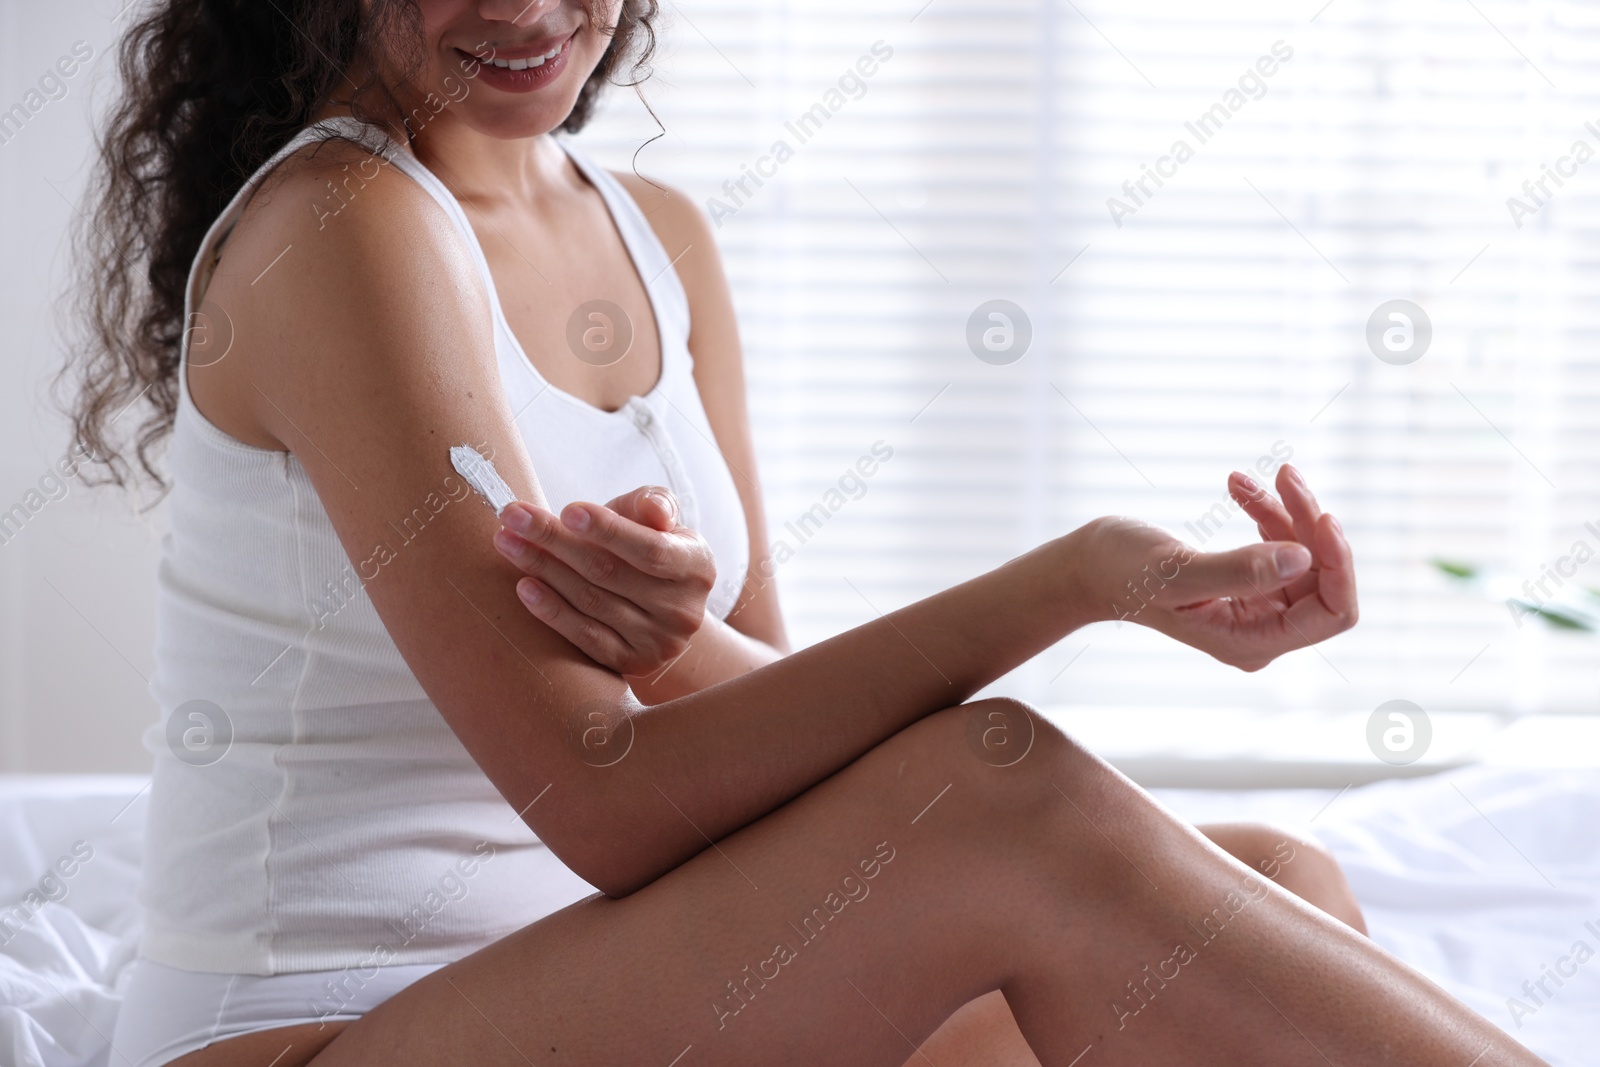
686, 234
372, 354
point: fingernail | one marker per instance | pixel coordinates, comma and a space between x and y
1338, 527
528, 591
517, 518
1249, 482
509, 543
1294, 472
1290, 560
664, 499
576, 518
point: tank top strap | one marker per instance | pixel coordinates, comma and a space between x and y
207, 255
384, 148
391, 152
654, 266
650, 258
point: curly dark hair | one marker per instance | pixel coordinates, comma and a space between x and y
212, 88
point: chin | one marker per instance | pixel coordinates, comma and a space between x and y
511, 122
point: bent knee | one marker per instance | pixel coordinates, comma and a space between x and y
1003, 734
994, 753
1019, 772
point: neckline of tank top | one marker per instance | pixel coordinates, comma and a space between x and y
609, 191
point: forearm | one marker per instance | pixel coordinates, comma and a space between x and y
715, 654
703, 765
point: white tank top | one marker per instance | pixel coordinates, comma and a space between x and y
311, 810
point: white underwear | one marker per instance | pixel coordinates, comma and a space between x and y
167, 1012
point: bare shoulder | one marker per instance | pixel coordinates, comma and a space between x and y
676, 219
336, 205
339, 264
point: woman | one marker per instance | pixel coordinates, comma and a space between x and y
360, 250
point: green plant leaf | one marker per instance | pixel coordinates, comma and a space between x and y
1455, 568
1561, 620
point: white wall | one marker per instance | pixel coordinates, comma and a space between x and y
77, 582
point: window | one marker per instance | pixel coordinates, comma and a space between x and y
1192, 309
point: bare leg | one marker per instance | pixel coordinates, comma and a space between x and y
1301, 865
983, 1033
287, 1046
1055, 880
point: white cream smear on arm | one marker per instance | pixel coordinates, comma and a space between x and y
481, 475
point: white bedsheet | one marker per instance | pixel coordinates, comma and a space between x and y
1481, 878
59, 972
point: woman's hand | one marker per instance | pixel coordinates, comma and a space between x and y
624, 582
1246, 607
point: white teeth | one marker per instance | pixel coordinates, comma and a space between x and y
523, 64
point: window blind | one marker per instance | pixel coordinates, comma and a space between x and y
1196, 216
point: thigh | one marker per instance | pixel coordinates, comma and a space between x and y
199, 1018
284, 1046
843, 928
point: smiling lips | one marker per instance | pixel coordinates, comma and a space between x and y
518, 62
523, 68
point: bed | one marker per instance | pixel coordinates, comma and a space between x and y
1486, 879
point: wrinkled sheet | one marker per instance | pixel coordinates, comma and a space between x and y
1482, 879
66, 940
